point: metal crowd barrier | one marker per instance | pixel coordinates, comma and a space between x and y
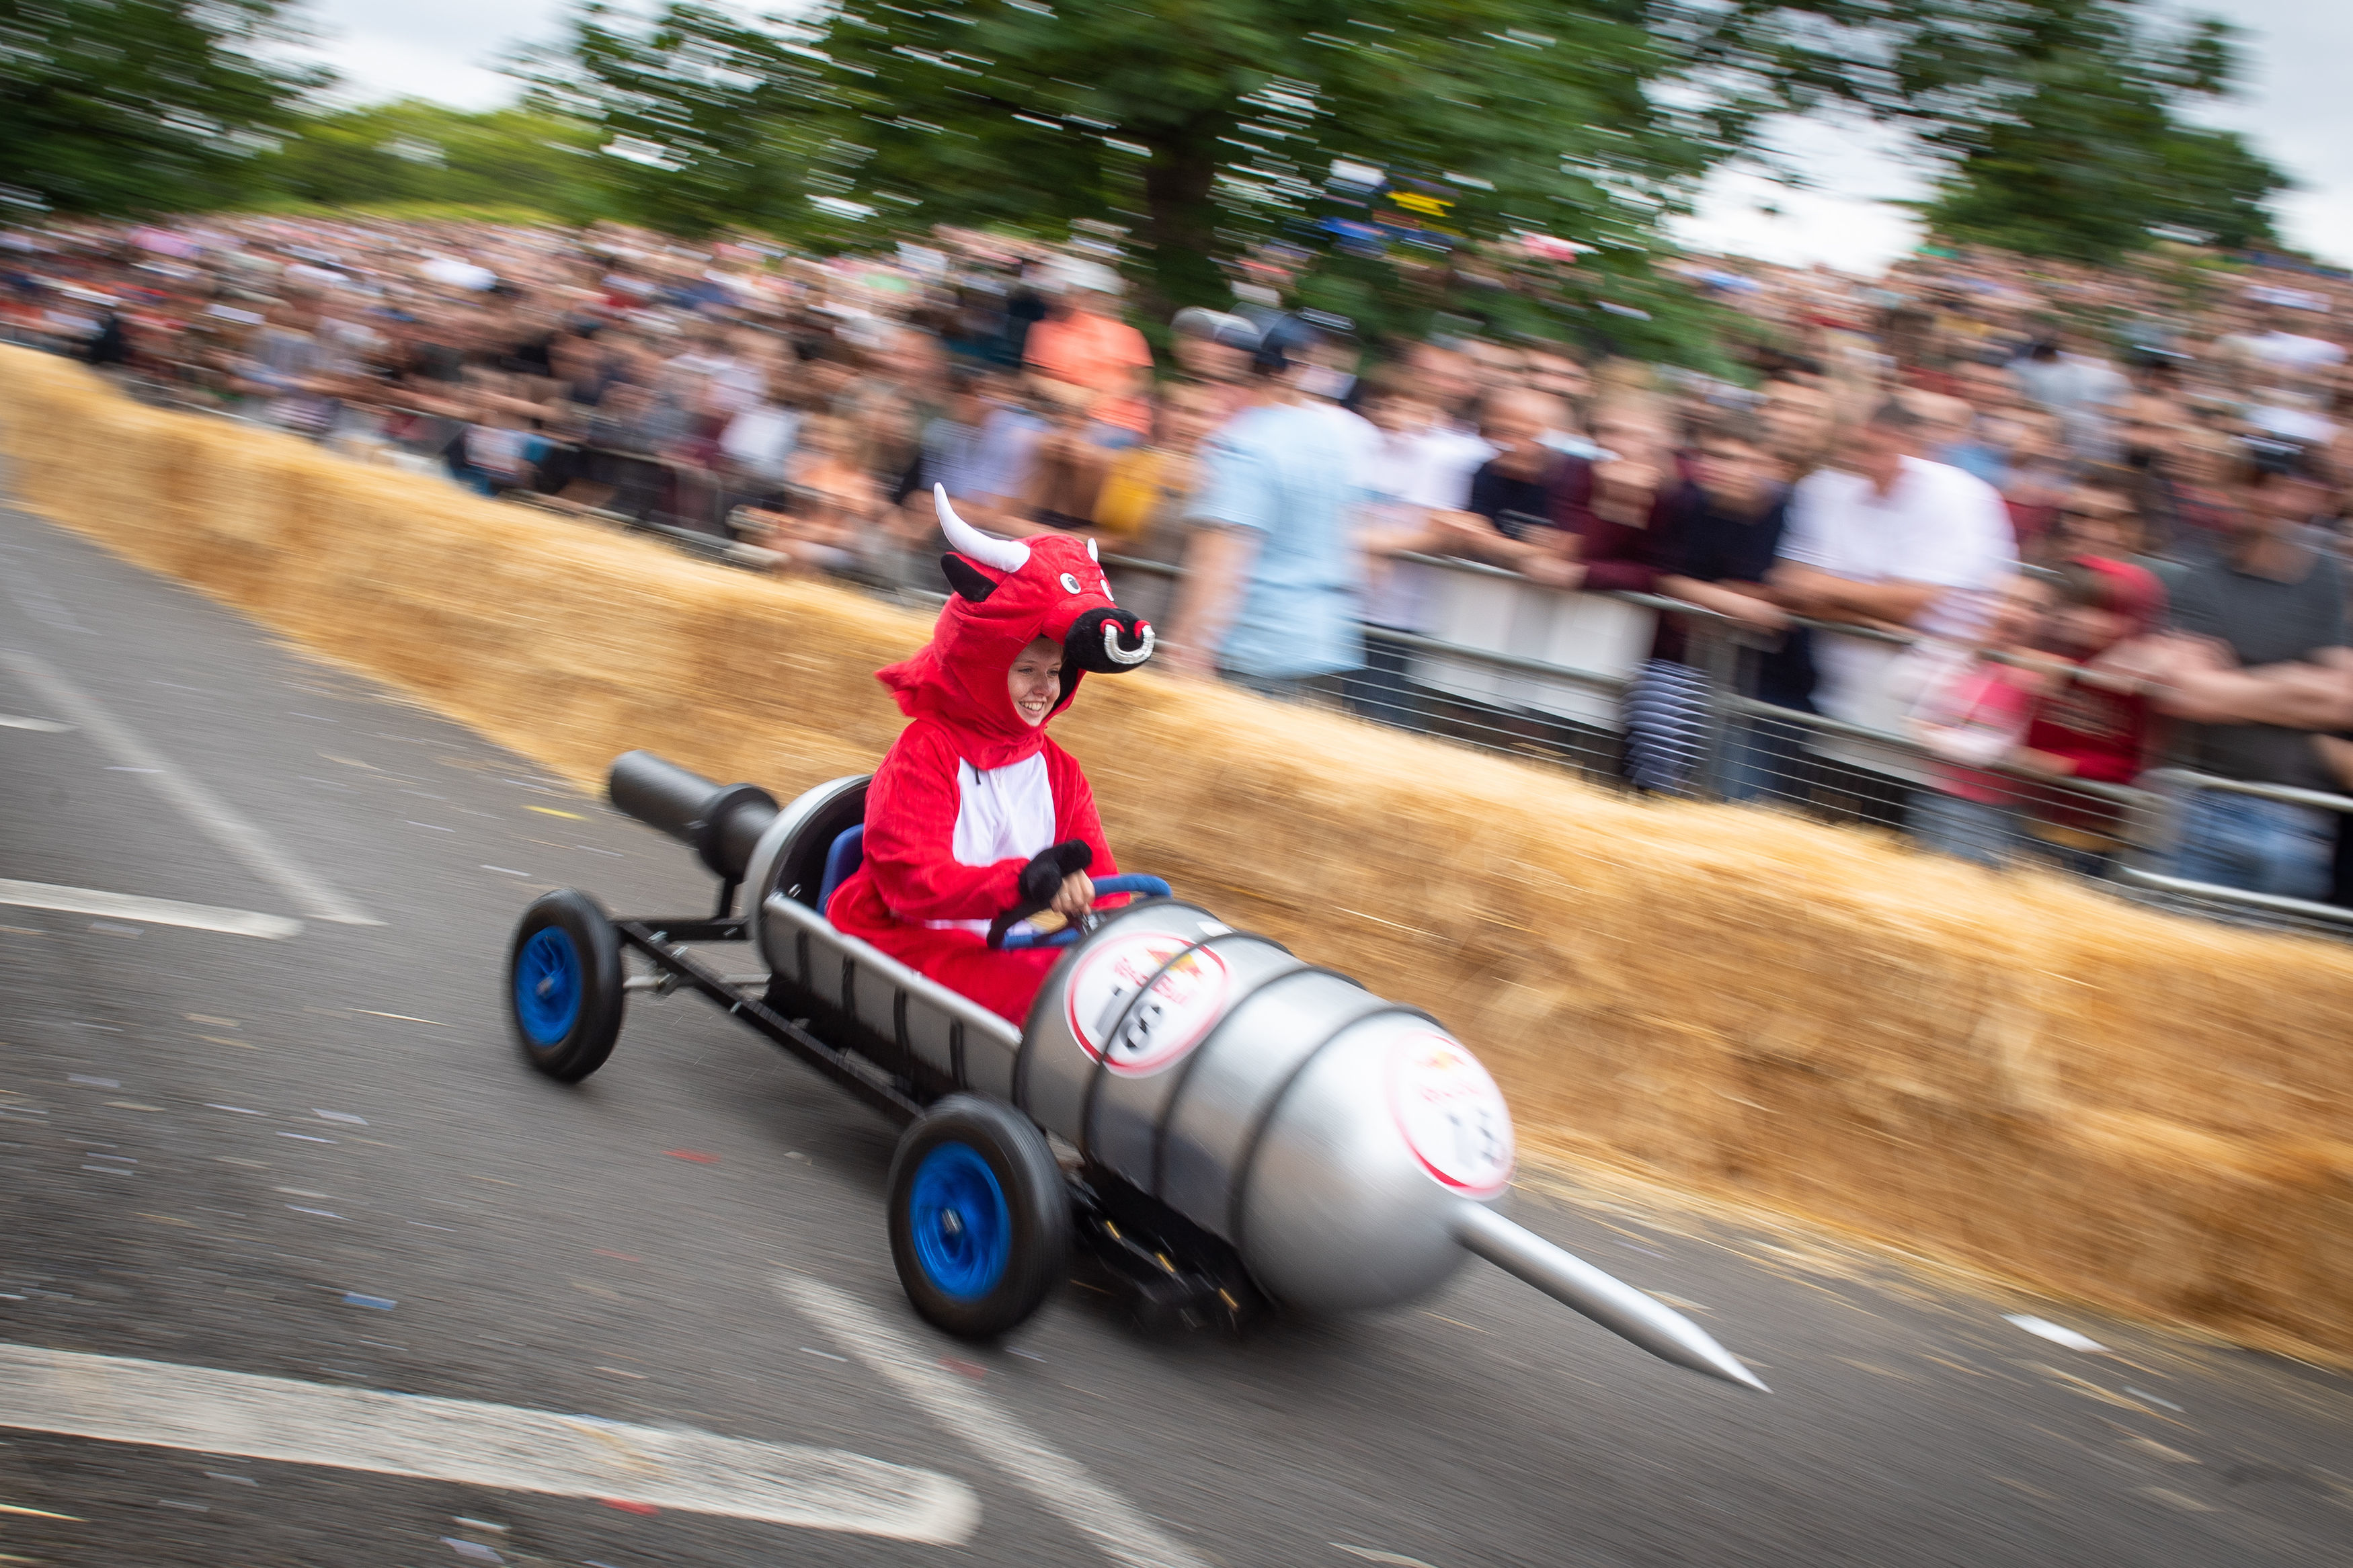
2171, 789
1822, 766
1745, 750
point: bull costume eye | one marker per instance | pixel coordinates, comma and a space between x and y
1070, 584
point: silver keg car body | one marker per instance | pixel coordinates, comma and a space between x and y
1346, 1148
1281, 1107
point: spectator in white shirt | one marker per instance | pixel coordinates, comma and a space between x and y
1892, 542
1411, 477
2292, 353
1449, 380
759, 441
2076, 382
710, 380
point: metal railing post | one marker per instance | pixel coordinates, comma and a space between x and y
1720, 648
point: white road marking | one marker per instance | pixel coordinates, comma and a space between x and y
116, 1399
2054, 1333
47, 726
224, 826
154, 911
1114, 1526
1371, 1555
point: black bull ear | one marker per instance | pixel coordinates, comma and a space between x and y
966, 579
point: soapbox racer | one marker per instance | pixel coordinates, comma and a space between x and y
1220, 1123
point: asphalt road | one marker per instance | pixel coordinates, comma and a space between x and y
317, 1158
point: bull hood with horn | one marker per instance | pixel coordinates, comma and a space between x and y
1009, 592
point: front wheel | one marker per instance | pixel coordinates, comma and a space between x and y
980, 1221
563, 995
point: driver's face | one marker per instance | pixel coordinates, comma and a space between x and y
1036, 681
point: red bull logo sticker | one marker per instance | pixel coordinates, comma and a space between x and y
1452, 1114
1165, 1021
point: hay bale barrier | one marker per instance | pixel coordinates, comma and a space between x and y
2142, 1111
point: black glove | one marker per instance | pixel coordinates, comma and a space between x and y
1041, 880
1047, 870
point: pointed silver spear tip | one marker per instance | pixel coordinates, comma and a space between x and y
1739, 1373
1608, 1300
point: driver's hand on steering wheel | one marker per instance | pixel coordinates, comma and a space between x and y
1074, 897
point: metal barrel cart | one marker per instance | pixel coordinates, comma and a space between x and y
1218, 1122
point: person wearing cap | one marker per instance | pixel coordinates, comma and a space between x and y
1269, 595
1213, 348
1083, 346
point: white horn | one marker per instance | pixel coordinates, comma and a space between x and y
1110, 643
1005, 554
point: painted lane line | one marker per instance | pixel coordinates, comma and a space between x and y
1111, 1524
46, 726
154, 911
116, 1399
222, 824
38, 1513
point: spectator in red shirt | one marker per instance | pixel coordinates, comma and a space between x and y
2093, 727
1622, 508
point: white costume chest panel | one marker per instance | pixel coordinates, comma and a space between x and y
1005, 814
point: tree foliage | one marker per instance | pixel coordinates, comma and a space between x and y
1209, 126
703, 119
413, 153
135, 106
2087, 156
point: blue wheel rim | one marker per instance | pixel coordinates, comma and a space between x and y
962, 1229
547, 985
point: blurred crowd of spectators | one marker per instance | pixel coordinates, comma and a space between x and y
2048, 524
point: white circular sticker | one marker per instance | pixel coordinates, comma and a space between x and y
1451, 1113
1166, 1021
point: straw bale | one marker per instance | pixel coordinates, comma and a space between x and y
2011, 1071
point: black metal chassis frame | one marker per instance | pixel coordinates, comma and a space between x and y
1177, 1275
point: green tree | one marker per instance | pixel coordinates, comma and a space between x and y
116, 107
2086, 156
418, 153
1384, 153
1209, 126
703, 120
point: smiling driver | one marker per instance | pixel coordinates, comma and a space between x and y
976, 816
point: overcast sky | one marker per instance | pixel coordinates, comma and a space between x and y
2296, 105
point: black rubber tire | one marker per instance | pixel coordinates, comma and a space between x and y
582, 1048
1036, 1201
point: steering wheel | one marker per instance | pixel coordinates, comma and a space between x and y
1125, 882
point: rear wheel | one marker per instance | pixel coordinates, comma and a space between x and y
563, 995
980, 1221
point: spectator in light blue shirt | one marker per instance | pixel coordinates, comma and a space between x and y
1269, 599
